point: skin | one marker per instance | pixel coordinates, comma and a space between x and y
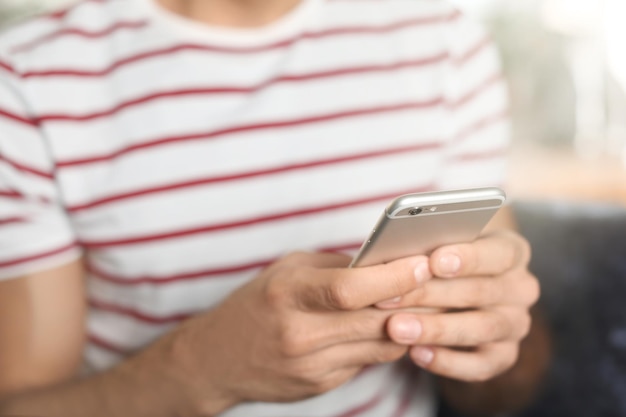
321, 323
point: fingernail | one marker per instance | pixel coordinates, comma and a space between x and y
422, 355
408, 331
449, 264
422, 272
389, 303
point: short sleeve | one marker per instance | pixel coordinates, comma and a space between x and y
35, 231
477, 110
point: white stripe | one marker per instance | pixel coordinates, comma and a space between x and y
257, 197
250, 151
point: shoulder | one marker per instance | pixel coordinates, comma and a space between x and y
53, 36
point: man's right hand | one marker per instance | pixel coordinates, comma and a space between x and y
302, 327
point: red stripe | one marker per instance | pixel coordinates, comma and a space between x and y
176, 318
357, 30
106, 345
363, 407
60, 14
11, 194
407, 396
100, 244
79, 33
348, 247
24, 168
6, 66
403, 406
456, 15
421, 62
252, 174
12, 220
252, 127
473, 51
128, 312
203, 274
405, 401
14, 195
481, 88
32, 258
117, 279
17, 118
482, 124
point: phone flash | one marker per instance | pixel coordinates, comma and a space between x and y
432, 209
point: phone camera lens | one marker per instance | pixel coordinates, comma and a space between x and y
415, 211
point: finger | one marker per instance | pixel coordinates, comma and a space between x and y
461, 293
355, 288
330, 329
476, 366
491, 254
362, 353
369, 324
464, 329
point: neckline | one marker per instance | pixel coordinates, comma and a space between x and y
290, 24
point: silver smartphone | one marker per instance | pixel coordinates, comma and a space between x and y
417, 224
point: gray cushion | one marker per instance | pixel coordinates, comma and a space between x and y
579, 255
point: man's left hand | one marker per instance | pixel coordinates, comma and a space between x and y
483, 292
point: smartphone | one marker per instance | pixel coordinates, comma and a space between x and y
417, 224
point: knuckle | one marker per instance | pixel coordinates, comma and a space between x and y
534, 290
495, 326
524, 250
339, 295
276, 292
433, 330
397, 279
495, 364
293, 345
462, 337
507, 358
367, 324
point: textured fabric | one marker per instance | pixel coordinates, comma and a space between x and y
180, 159
579, 256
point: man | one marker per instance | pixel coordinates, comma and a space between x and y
201, 164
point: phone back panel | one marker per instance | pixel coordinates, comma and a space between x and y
398, 237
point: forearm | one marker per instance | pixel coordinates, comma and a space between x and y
145, 385
510, 391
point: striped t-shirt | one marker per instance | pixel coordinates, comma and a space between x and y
180, 159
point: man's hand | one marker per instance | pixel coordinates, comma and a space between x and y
301, 328
487, 291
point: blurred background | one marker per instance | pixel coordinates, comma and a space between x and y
566, 64
567, 70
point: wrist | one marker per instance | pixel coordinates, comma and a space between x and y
195, 387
